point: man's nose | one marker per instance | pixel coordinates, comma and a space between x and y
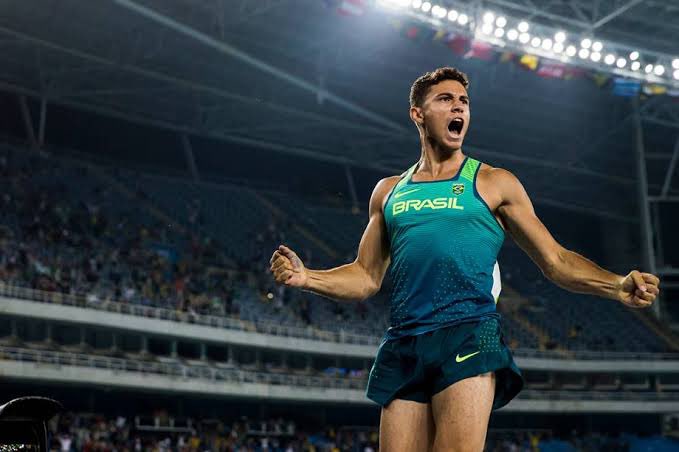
458, 108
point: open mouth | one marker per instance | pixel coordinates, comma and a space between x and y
455, 126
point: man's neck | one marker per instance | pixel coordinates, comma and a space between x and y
436, 160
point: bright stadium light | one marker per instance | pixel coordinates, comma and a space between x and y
634, 55
648, 69
675, 63
597, 46
499, 32
659, 70
595, 56
488, 17
523, 27
547, 44
439, 11
560, 36
487, 28
426, 6
609, 59
571, 50
463, 19
501, 22
535, 42
558, 47
636, 65
524, 38
586, 43
676, 74
452, 15
417, 4
394, 3
583, 53
512, 35
621, 63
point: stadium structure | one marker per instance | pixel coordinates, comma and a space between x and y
154, 153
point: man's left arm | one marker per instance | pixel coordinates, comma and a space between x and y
566, 268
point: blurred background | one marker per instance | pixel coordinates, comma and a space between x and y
154, 153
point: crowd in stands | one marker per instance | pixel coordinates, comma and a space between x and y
85, 244
64, 230
86, 432
67, 228
89, 432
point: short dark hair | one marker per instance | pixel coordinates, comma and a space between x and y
421, 86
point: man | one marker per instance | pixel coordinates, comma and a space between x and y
443, 365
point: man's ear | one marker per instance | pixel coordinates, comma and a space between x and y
416, 115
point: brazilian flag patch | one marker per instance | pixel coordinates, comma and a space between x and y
458, 189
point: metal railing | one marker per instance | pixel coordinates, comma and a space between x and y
152, 312
235, 375
177, 369
646, 396
595, 355
277, 329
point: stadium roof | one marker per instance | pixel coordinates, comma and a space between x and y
294, 77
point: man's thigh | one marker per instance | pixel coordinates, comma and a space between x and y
406, 426
461, 414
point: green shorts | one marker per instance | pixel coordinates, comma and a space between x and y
417, 367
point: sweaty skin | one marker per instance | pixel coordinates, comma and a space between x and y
464, 407
501, 190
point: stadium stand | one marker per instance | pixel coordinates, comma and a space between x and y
68, 229
160, 431
577, 322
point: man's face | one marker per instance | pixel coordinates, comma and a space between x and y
445, 114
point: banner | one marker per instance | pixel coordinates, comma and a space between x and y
626, 87
529, 61
457, 42
351, 8
480, 50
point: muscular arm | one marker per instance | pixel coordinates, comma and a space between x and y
565, 268
362, 278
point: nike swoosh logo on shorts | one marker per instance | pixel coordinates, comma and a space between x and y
398, 195
459, 359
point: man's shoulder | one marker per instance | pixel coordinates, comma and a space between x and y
502, 182
380, 192
496, 174
385, 184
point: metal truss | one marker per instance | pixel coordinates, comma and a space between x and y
636, 22
663, 113
141, 77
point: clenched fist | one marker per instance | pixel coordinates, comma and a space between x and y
639, 290
287, 268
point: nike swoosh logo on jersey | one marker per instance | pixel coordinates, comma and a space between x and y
459, 359
398, 195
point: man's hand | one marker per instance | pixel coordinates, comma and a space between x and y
287, 268
638, 290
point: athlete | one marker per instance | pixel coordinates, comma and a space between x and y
443, 365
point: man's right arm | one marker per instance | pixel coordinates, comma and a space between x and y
357, 280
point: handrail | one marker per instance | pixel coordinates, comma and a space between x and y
277, 329
177, 369
236, 375
232, 323
592, 355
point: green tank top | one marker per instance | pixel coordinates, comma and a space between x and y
444, 243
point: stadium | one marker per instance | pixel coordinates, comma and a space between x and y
154, 154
